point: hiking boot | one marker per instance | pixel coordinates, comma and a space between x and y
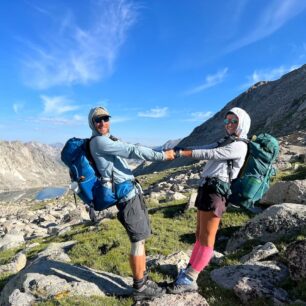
148, 291
183, 283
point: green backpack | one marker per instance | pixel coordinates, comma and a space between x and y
254, 178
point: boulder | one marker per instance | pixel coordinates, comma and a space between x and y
170, 264
18, 262
260, 252
10, 241
295, 255
249, 289
192, 200
18, 298
175, 196
273, 224
186, 299
50, 275
267, 272
286, 192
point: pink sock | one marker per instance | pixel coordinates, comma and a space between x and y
203, 257
194, 252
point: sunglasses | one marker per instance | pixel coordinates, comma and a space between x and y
100, 119
233, 121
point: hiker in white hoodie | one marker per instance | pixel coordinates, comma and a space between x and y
225, 160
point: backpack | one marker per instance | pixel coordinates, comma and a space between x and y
84, 175
254, 178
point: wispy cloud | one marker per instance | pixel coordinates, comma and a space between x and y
210, 81
73, 54
154, 112
118, 119
17, 107
57, 105
199, 116
267, 75
274, 16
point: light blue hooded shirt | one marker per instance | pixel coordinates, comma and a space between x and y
109, 156
216, 165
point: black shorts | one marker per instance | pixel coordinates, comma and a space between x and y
208, 200
133, 215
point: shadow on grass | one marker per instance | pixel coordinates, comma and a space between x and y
188, 238
169, 211
298, 174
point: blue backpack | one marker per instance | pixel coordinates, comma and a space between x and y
76, 156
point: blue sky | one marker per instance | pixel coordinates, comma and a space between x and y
161, 67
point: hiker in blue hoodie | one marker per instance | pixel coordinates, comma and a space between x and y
109, 155
213, 192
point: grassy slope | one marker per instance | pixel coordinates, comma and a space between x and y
106, 248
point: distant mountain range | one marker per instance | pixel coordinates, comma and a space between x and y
276, 107
30, 165
34, 165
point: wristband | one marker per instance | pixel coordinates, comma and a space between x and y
178, 153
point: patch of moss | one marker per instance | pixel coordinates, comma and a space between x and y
7, 255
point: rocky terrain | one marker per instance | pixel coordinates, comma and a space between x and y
30, 165
257, 273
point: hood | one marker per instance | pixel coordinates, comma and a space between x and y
244, 121
90, 121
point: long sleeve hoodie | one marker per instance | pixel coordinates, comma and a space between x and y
109, 155
217, 165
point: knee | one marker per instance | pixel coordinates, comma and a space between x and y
138, 248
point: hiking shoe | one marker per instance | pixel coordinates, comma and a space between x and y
183, 283
148, 291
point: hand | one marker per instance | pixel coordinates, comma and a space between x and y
169, 154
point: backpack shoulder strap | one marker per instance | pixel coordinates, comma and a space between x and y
230, 163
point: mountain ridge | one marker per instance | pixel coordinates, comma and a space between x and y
276, 107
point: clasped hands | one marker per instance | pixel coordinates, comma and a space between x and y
177, 152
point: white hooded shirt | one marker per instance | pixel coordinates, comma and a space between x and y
217, 165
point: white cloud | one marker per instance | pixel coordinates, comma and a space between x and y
57, 105
200, 116
267, 75
73, 54
273, 17
17, 107
154, 112
78, 118
119, 119
210, 81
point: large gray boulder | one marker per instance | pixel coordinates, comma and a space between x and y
186, 299
10, 241
286, 192
50, 275
268, 272
249, 289
253, 280
274, 223
295, 255
17, 263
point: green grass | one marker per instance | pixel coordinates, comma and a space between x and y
169, 235
291, 175
87, 301
7, 255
